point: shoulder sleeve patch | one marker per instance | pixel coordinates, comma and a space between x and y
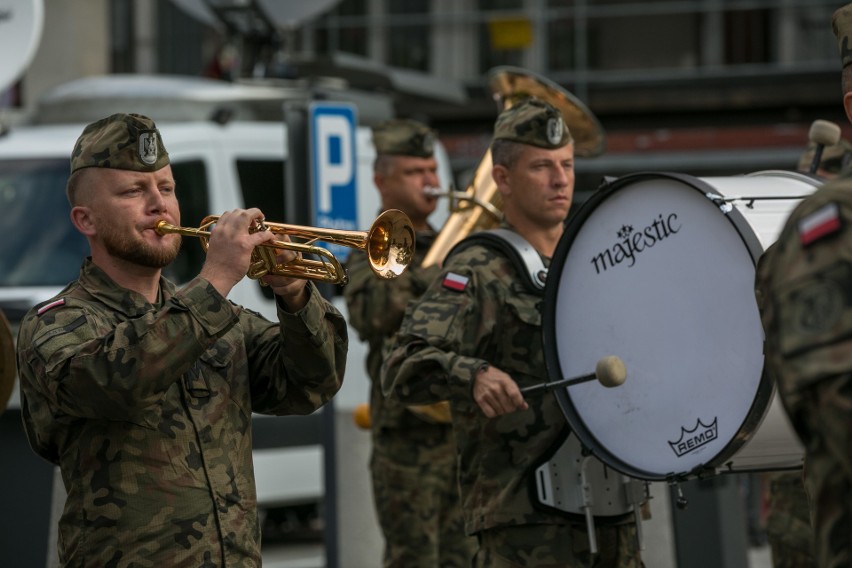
51, 305
57, 331
821, 223
456, 282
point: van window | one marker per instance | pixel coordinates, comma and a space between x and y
262, 184
192, 193
40, 246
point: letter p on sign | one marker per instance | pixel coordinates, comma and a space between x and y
333, 166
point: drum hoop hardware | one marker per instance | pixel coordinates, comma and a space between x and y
725, 202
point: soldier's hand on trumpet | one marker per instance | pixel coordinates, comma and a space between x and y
291, 291
230, 248
496, 393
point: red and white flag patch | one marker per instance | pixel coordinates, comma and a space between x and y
457, 282
822, 222
51, 305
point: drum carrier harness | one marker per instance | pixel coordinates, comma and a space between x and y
570, 479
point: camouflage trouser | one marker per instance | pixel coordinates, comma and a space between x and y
788, 524
825, 411
419, 510
558, 546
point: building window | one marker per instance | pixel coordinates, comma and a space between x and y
122, 53
409, 44
344, 29
504, 34
747, 37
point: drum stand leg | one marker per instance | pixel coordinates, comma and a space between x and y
587, 506
637, 510
681, 502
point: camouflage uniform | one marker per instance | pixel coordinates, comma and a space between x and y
413, 461
788, 524
802, 289
834, 158
794, 290
788, 520
147, 411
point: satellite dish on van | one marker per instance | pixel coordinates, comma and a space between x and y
284, 14
21, 24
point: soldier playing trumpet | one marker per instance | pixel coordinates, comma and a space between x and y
142, 393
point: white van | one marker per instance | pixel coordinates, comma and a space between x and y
219, 163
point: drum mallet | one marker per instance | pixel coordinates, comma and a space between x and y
822, 133
610, 372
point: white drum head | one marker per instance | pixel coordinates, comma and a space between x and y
652, 271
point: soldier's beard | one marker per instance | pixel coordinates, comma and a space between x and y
127, 247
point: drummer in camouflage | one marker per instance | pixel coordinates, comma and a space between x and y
474, 338
802, 286
141, 392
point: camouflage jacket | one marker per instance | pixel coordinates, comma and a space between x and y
802, 288
147, 411
376, 307
479, 311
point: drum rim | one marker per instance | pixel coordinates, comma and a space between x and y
765, 390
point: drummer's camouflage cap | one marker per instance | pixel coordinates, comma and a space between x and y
841, 23
120, 141
404, 137
535, 122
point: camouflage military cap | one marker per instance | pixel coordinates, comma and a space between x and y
404, 137
841, 23
833, 160
120, 141
535, 122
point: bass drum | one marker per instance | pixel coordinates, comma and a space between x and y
658, 269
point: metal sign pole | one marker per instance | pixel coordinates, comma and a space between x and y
299, 211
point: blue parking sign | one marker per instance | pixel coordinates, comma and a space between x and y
332, 128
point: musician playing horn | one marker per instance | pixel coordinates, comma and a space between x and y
143, 393
413, 461
474, 338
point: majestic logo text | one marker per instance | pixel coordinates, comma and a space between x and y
630, 244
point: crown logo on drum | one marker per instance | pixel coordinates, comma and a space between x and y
691, 440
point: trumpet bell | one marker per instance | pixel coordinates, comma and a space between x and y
390, 244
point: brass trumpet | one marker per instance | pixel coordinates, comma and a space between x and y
389, 245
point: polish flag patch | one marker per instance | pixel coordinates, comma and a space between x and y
457, 282
51, 305
822, 222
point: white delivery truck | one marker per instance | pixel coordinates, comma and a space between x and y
229, 148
